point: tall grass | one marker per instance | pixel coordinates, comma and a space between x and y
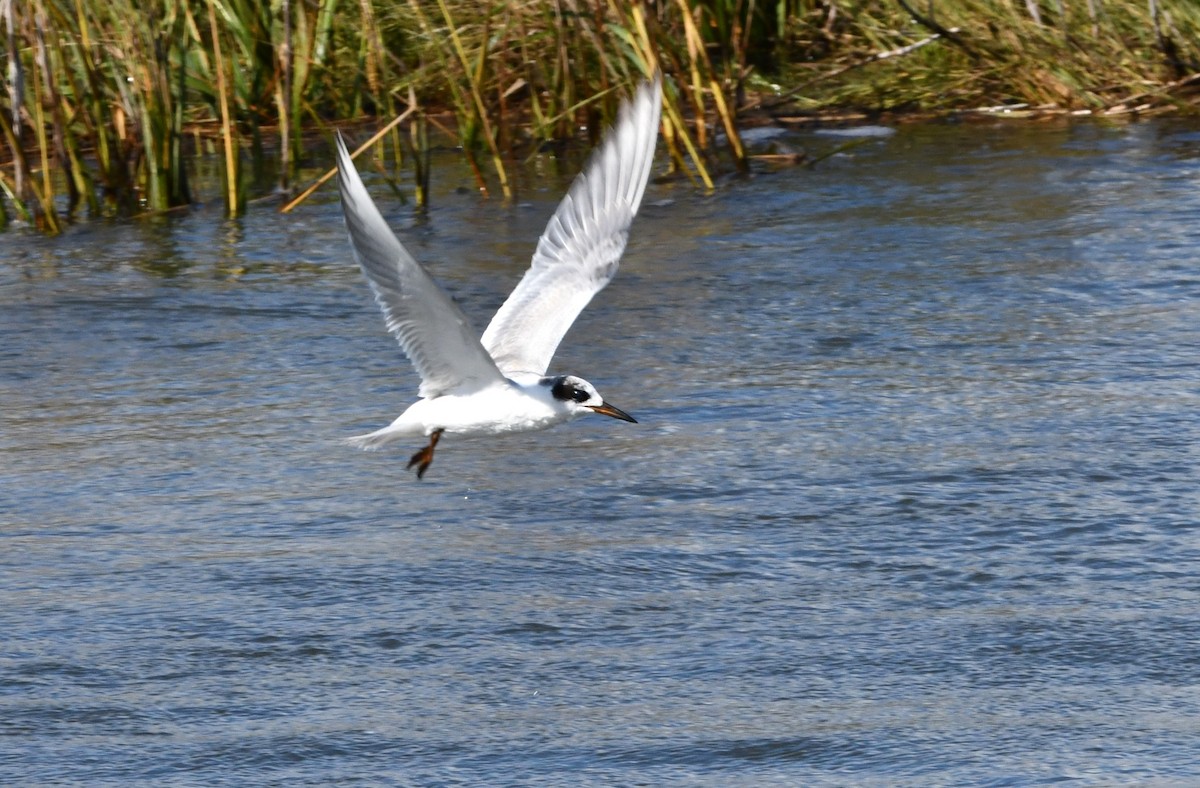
1103, 56
114, 95
105, 102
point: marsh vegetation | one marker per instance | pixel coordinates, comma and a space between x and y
106, 102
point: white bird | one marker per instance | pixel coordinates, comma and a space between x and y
498, 383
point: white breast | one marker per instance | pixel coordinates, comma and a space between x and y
493, 411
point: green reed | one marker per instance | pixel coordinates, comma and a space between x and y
106, 102
1106, 56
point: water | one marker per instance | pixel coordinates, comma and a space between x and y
913, 499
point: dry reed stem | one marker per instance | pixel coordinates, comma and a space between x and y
232, 208
333, 170
474, 78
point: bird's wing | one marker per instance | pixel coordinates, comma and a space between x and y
578, 253
431, 329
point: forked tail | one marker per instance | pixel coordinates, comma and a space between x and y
374, 441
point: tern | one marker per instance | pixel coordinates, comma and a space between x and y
498, 383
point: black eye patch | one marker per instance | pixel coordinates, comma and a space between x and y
562, 390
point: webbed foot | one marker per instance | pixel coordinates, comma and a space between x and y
424, 457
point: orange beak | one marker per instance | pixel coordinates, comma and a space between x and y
612, 410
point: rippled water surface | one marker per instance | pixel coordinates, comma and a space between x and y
913, 499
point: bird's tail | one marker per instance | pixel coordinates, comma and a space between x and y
374, 441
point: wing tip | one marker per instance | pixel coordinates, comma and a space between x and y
348, 177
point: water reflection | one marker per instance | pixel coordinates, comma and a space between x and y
912, 498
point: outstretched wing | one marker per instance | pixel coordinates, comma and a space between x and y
431, 329
579, 252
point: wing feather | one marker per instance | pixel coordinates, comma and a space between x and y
431, 329
580, 250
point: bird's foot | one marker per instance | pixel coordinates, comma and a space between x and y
424, 457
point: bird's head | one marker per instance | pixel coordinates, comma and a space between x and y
581, 397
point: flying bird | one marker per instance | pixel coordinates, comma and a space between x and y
498, 383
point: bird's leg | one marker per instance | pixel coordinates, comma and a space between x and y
425, 456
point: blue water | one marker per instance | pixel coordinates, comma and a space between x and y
913, 498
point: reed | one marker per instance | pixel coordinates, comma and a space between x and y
106, 102
1104, 56
563, 60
